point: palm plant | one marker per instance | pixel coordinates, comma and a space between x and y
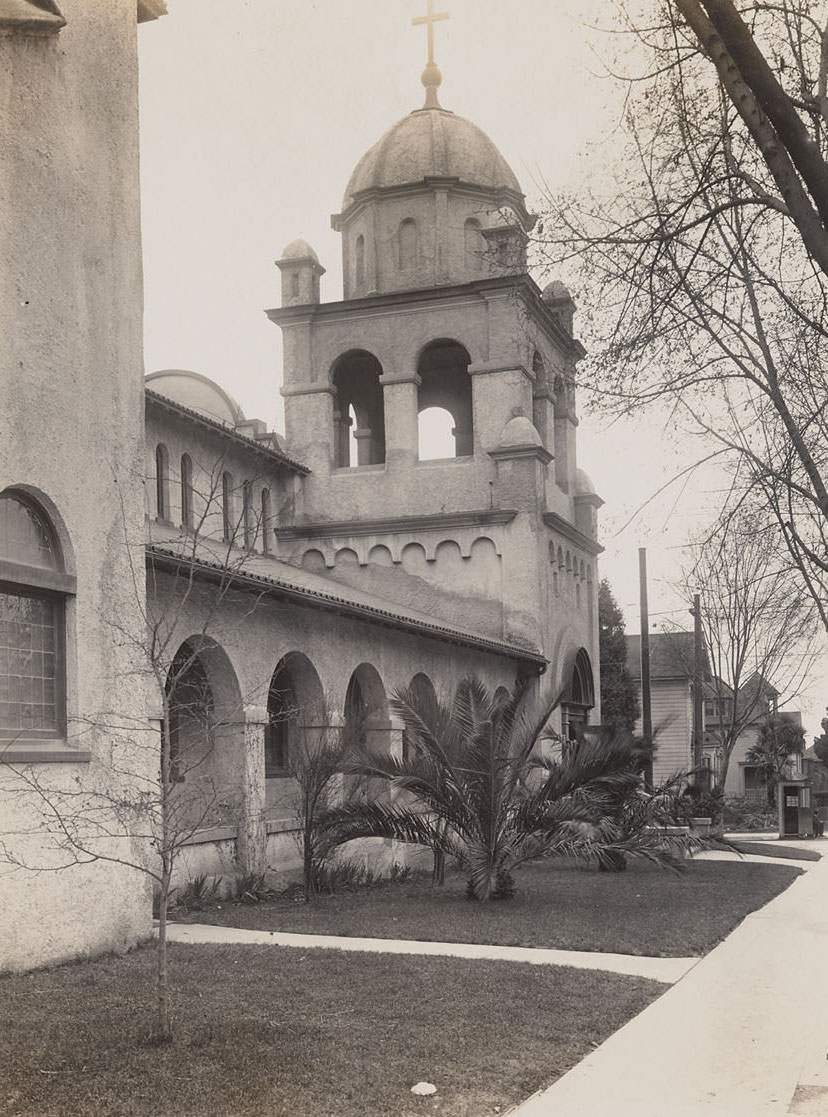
476, 792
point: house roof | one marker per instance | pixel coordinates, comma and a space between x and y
671, 656
264, 574
266, 449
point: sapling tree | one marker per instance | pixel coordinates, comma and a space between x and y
161, 783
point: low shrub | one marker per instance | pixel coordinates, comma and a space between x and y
198, 893
356, 876
698, 804
747, 815
250, 888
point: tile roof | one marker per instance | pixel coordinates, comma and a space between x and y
257, 447
265, 573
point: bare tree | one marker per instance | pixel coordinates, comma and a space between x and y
705, 253
161, 785
760, 632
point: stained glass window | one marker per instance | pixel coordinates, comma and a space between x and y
31, 626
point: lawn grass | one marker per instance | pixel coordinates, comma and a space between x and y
644, 910
278, 1031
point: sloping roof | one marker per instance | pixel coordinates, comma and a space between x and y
242, 440
262, 573
671, 655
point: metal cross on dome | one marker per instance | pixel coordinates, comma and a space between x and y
431, 74
429, 20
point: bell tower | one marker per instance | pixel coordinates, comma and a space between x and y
440, 323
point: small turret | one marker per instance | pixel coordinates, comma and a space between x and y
557, 297
301, 272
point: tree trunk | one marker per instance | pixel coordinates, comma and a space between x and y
162, 990
307, 861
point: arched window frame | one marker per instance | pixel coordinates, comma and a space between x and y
474, 245
162, 482
359, 262
248, 526
407, 244
266, 514
34, 666
186, 492
228, 523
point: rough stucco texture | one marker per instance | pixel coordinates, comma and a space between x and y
71, 365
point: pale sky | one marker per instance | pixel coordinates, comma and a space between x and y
253, 115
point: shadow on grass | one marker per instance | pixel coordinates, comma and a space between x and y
643, 911
286, 1032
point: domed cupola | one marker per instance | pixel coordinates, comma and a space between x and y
432, 203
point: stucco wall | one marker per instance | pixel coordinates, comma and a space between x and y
255, 634
70, 384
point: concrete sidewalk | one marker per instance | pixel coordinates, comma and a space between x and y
743, 1033
666, 970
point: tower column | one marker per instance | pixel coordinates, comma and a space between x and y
399, 395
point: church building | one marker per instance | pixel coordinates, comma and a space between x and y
422, 519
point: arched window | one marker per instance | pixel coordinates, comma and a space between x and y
359, 262
228, 524
33, 589
407, 244
266, 521
474, 244
162, 482
186, 492
248, 527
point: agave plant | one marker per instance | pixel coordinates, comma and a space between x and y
476, 792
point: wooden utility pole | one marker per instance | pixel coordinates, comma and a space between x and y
646, 708
698, 693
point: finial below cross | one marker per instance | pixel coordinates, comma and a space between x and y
429, 20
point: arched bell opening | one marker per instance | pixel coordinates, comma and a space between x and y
445, 384
359, 419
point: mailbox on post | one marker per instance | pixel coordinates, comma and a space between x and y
795, 810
